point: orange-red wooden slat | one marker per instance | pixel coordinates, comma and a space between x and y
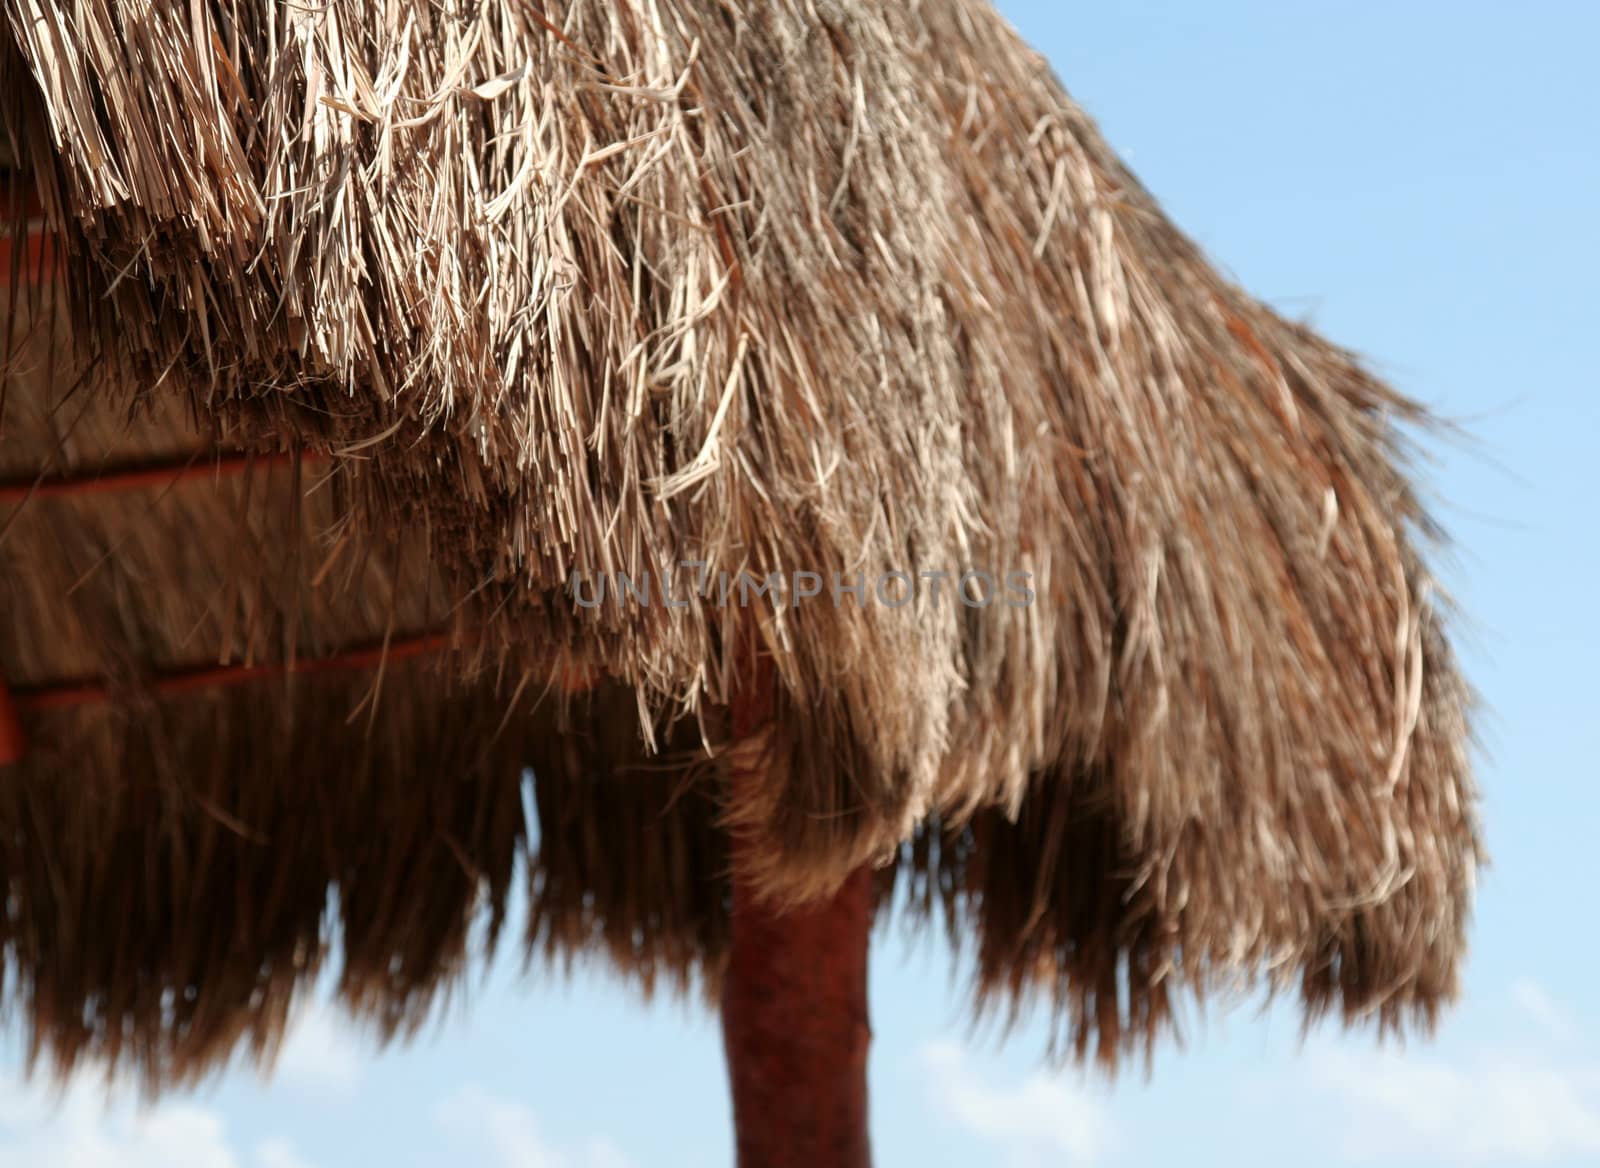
134, 478
78, 693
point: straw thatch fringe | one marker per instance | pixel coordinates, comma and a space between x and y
629, 863
1058, 907
169, 865
193, 903
831, 287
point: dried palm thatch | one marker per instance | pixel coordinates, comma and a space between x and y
161, 837
834, 288
215, 792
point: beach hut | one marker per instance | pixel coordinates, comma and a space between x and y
741, 470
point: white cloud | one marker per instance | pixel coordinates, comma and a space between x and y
602, 1153
1505, 1105
1538, 1004
279, 1153
321, 1052
85, 1126
507, 1133
1041, 1120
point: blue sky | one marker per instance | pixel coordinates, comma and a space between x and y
1420, 180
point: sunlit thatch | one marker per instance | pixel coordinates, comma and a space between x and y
837, 287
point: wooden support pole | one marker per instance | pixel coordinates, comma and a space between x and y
794, 1009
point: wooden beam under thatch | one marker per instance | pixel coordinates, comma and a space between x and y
827, 288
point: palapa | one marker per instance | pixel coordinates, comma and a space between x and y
691, 292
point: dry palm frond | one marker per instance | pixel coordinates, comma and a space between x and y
834, 288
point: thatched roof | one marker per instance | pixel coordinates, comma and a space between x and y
829, 288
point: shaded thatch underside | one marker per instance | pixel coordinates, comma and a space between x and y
834, 288
169, 857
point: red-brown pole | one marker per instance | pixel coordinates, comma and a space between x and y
794, 1009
